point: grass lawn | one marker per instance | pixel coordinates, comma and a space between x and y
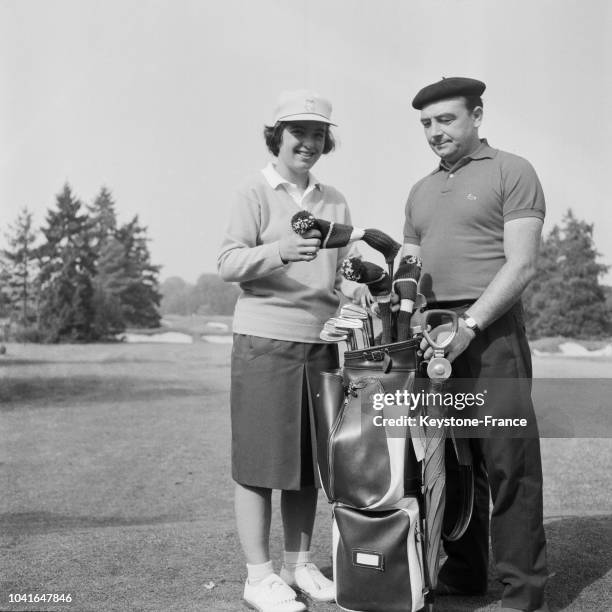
116, 485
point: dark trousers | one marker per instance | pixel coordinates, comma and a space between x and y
510, 468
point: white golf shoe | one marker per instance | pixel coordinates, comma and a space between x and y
272, 594
311, 582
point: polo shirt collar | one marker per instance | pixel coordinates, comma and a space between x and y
484, 151
275, 179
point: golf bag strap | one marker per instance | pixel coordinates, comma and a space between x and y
466, 486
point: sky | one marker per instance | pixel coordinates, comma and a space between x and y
163, 102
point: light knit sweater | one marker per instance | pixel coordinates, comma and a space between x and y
284, 301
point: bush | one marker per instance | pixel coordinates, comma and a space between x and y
27, 334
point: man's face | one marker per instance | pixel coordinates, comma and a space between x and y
451, 131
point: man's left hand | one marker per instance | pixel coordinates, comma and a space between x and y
458, 344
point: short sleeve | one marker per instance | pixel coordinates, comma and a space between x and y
410, 233
521, 190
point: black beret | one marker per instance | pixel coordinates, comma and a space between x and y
448, 88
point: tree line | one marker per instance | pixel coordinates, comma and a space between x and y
90, 278
209, 296
81, 277
566, 297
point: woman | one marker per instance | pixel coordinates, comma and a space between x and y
289, 289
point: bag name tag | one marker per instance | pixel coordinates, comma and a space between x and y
369, 559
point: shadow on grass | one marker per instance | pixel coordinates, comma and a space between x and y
16, 524
579, 554
49, 391
77, 362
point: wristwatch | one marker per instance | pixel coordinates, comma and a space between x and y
471, 324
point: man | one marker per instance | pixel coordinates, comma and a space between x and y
476, 222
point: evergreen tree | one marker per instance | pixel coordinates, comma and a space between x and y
111, 276
20, 269
109, 283
67, 268
141, 297
565, 298
103, 218
6, 306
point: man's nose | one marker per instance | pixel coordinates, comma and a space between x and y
434, 129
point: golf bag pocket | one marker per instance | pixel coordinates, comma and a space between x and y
328, 404
378, 565
364, 462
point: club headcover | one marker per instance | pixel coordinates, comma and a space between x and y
383, 243
377, 280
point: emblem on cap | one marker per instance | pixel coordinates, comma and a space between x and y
302, 105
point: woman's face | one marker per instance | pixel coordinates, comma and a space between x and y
301, 145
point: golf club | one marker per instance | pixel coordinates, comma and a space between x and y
334, 235
354, 311
405, 285
352, 324
345, 326
327, 337
379, 284
418, 315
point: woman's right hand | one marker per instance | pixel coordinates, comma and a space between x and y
294, 247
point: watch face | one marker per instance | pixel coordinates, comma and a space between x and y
470, 323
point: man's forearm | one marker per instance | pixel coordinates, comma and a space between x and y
503, 291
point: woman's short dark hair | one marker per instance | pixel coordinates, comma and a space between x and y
471, 102
274, 136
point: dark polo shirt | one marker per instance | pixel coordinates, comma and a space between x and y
457, 217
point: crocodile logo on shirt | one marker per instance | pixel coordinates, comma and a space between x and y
471, 196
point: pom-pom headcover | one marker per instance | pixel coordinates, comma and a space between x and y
302, 221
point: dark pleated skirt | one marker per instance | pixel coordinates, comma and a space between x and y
273, 382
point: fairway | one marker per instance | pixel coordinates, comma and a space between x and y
116, 485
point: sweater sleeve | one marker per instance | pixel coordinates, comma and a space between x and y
241, 257
343, 252
346, 290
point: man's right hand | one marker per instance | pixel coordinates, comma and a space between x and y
294, 247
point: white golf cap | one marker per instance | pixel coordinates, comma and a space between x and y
302, 105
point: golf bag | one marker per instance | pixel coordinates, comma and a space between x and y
374, 480
360, 464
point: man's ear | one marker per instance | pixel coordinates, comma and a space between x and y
477, 114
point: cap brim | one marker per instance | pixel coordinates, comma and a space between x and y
306, 117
